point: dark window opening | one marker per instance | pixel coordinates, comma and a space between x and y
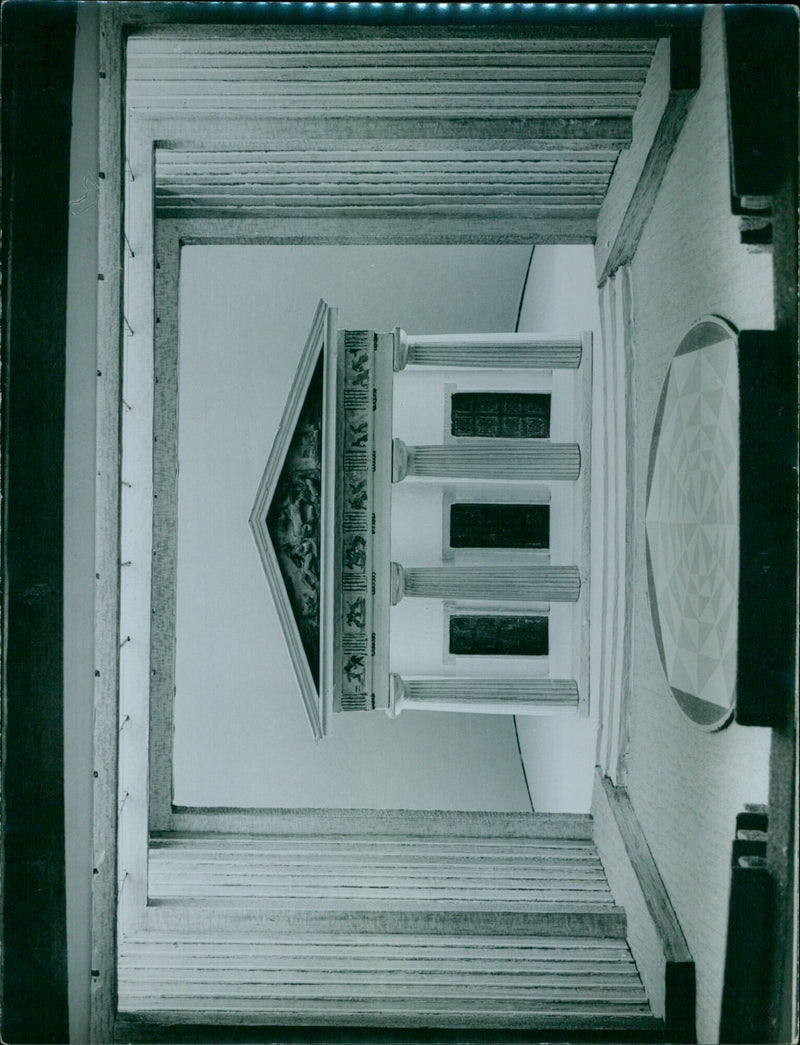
497, 635
499, 525
501, 415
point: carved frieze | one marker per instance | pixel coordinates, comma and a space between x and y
321, 520
357, 522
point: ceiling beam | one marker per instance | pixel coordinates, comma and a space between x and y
664, 103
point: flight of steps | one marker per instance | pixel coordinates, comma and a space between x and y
412, 980
403, 931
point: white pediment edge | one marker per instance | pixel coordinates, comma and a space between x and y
313, 700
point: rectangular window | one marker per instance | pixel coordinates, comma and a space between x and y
500, 415
483, 525
498, 635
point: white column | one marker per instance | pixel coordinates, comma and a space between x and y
492, 351
488, 696
523, 459
520, 584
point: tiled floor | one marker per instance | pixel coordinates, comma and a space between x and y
686, 783
692, 523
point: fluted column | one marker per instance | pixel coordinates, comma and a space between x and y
485, 695
527, 584
498, 351
525, 459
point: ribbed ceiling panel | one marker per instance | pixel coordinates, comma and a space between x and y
374, 979
393, 126
377, 873
317, 181
462, 77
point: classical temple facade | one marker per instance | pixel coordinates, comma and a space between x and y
323, 522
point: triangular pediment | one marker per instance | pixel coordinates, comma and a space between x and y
293, 519
287, 519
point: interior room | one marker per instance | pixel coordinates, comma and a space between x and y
512, 293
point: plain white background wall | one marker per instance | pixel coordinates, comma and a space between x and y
559, 753
241, 736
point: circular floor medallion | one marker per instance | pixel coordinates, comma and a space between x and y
692, 523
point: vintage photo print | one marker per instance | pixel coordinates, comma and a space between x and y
399, 522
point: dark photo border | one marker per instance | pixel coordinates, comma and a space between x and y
38, 41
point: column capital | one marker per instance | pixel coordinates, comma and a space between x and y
400, 349
397, 695
399, 460
397, 582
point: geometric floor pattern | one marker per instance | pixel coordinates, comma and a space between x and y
692, 521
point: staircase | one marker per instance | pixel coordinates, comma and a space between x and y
385, 931
409, 980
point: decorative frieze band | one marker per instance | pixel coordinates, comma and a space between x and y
524, 459
498, 696
357, 634
531, 584
479, 351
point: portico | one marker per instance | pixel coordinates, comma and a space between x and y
322, 522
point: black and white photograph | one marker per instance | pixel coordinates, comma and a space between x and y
399, 523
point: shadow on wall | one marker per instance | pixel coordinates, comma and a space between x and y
559, 753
